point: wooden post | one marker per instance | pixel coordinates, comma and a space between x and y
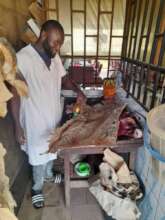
67, 177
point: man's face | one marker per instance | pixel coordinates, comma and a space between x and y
53, 42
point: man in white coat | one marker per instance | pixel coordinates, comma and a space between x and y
37, 116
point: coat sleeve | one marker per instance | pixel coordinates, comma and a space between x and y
62, 71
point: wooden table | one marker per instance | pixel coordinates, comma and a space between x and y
126, 146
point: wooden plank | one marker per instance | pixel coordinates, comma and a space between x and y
79, 184
38, 12
28, 36
55, 213
132, 160
93, 149
78, 196
87, 212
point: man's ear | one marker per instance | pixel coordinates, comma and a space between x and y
44, 35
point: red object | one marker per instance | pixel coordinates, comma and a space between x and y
86, 75
127, 125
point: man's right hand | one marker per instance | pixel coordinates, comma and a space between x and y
20, 137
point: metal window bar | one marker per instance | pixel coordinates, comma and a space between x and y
125, 43
129, 71
137, 28
136, 69
98, 31
163, 98
141, 77
152, 66
135, 81
91, 56
157, 78
84, 43
142, 69
110, 39
97, 56
57, 9
142, 29
89, 35
126, 29
77, 11
149, 29
159, 35
146, 89
106, 12
130, 45
71, 8
162, 51
68, 35
132, 26
160, 14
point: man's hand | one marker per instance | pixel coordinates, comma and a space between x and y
68, 83
20, 137
81, 98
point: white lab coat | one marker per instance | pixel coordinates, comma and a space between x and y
41, 111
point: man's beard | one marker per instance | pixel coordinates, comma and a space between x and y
48, 49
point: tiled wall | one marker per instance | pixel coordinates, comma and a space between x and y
152, 206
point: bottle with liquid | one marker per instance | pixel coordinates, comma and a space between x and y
109, 87
76, 110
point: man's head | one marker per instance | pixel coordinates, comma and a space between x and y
51, 37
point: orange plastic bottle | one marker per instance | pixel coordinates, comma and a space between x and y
109, 87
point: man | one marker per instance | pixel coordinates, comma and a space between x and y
37, 116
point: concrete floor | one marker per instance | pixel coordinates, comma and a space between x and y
83, 205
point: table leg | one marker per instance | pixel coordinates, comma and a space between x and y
132, 159
67, 178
